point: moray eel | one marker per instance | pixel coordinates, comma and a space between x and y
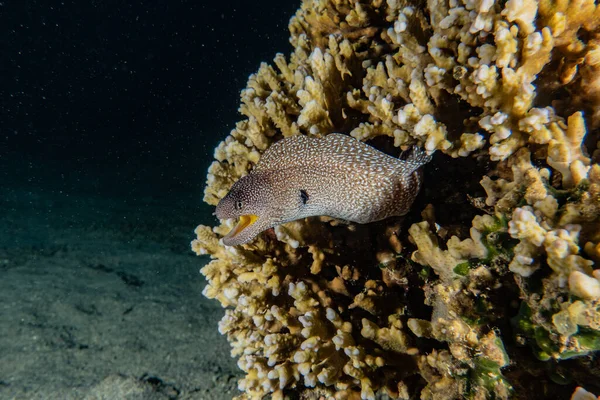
337, 176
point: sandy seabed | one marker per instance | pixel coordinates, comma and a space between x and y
100, 298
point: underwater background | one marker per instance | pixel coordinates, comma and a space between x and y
125, 124
109, 114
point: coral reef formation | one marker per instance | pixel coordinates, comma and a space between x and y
490, 287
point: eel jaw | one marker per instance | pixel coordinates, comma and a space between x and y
244, 222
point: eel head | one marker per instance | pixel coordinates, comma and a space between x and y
249, 200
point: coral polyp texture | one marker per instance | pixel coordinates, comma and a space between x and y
490, 286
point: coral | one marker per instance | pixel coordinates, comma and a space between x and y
582, 394
285, 324
497, 263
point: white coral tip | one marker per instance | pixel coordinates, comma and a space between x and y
584, 286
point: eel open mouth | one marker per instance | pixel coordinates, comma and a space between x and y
244, 222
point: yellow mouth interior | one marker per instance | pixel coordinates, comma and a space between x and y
244, 222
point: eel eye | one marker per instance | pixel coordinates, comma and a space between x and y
238, 205
303, 196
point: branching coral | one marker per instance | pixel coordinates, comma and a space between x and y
560, 289
506, 93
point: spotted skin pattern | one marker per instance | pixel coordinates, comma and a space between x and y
336, 176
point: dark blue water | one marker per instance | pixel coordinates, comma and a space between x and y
109, 113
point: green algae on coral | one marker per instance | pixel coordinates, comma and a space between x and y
487, 375
584, 341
